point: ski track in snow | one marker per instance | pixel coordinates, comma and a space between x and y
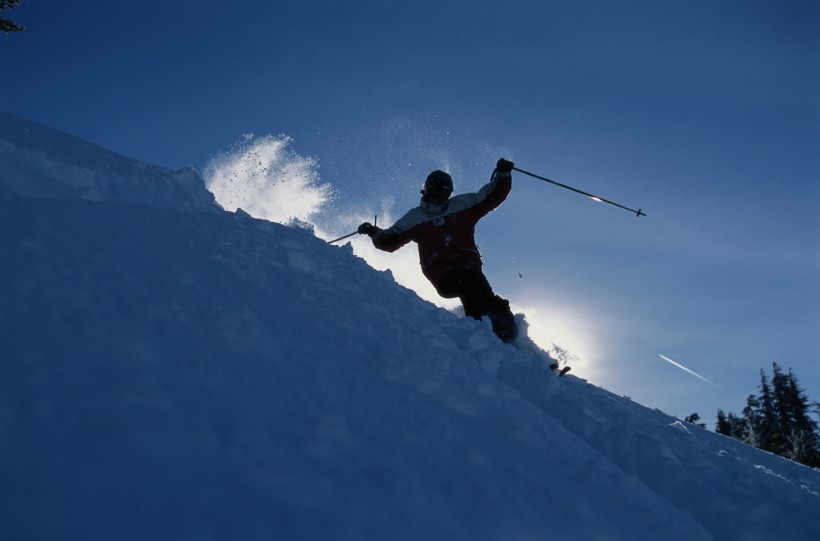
172, 371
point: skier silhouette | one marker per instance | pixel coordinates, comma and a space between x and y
444, 229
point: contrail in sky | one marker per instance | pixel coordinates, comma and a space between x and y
667, 359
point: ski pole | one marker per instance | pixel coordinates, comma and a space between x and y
341, 238
375, 221
638, 212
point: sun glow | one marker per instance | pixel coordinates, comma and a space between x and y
559, 329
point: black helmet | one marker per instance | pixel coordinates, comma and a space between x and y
437, 187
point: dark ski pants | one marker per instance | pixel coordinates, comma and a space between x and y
478, 299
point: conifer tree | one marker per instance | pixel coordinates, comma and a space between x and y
777, 420
738, 428
693, 419
723, 426
6, 25
770, 433
802, 439
755, 429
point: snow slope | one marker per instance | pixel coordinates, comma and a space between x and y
169, 370
36, 161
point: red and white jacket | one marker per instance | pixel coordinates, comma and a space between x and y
445, 233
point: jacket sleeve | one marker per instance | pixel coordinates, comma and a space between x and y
390, 240
401, 232
492, 194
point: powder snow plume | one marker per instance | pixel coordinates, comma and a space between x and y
268, 180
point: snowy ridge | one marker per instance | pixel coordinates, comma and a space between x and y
40, 162
206, 375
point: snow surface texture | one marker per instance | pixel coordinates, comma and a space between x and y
173, 371
36, 161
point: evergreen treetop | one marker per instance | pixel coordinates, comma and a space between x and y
6, 25
777, 419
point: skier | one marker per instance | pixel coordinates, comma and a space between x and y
444, 230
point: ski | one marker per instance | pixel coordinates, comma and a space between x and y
559, 371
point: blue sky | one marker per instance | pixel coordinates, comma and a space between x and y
704, 114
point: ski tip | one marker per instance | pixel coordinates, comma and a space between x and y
559, 371
639, 213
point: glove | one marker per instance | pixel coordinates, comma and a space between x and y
367, 229
504, 166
